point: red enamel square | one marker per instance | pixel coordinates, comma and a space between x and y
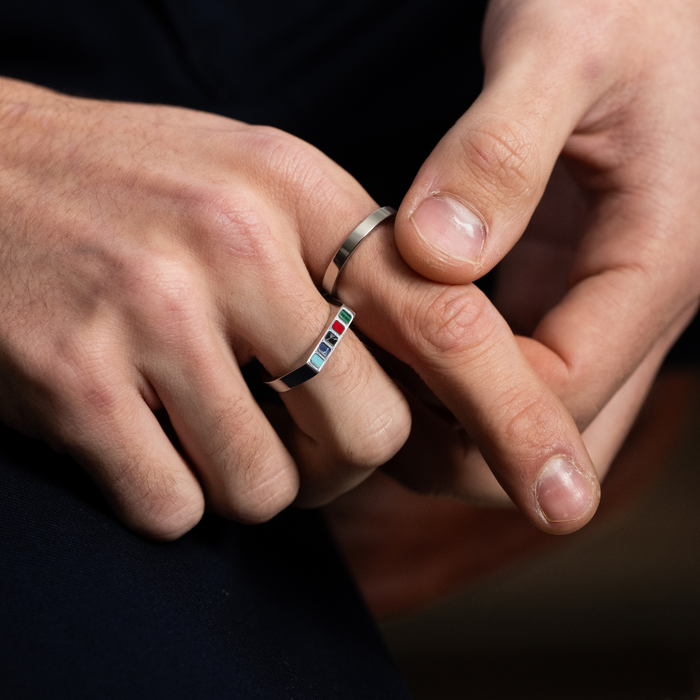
338, 327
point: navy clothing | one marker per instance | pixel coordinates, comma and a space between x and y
373, 83
91, 610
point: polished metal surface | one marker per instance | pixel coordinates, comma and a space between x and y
359, 233
341, 317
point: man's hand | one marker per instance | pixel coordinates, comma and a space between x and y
607, 273
148, 251
145, 253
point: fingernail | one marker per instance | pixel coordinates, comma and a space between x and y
563, 493
447, 225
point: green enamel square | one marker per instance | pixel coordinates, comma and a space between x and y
344, 316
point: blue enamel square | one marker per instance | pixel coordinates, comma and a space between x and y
317, 360
323, 350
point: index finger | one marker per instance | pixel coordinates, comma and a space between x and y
454, 338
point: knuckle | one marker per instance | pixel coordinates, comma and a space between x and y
278, 148
100, 395
164, 293
170, 526
287, 158
501, 159
164, 507
298, 175
232, 225
262, 503
259, 491
450, 323
379, 431
378, 421
528, 421
252, 481
84, 379
377, 438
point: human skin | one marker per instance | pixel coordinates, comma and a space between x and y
594, 105
406, 549
148, 251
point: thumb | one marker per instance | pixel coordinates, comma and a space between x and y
476, 192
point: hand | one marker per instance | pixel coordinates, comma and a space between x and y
147, 252
145, 278
406, 550
607, 273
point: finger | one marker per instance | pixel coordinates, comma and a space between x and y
461, 347
246, 472
345, 423
620, 304
347, 420
351, 417
119, 442
612, 271
474, 195
607, 431
440, 458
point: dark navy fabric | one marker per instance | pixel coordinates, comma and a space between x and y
91, 610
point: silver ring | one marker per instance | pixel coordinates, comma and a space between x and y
339, 321
330, 279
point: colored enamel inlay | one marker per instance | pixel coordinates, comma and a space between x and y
317, 360
331, 338
344, 316
323, 350
338, 327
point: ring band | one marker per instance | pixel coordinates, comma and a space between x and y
330, 279
323, 348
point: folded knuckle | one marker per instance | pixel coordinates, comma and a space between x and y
378, 437
259, 506
164, 290
232, 225
502, 159
252, 485
173, 520
260, 489
378, 433
528, 420
163, 508
451, 323
379, 421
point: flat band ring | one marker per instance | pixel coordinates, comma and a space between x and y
359, 233
317, 357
